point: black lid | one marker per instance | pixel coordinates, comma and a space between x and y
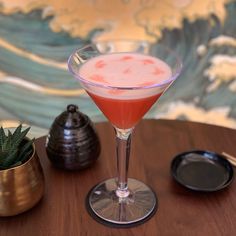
72, 118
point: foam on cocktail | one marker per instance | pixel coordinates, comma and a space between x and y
125, 70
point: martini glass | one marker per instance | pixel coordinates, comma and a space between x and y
124, 78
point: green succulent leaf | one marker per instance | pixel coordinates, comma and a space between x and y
10, 159
2, 136
16, 134
19, 137
3, 156
17, 130
26, 155
25, 151
15, 148
5, 145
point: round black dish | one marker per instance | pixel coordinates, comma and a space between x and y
201, 170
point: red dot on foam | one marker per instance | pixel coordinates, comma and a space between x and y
98, 78
158, 71
148, 61
126, 58
100, 64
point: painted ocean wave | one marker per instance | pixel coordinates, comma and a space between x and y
32, 33
37, 38
192, 85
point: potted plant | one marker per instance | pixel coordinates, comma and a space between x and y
21, 175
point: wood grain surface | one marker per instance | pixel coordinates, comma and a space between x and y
155, 143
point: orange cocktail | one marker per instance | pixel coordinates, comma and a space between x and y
124, 113
122, 106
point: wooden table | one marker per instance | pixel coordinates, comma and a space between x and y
155, 143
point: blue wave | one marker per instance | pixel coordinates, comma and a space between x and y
32, 33
192, 83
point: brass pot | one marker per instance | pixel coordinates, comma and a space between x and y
21, 187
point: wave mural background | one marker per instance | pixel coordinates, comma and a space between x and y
36, 38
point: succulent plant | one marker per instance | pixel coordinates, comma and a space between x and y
15, 148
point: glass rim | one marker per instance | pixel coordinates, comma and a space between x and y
174, 75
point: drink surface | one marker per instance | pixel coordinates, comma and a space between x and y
125, 70
125, 85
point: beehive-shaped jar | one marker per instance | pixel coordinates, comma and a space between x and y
72, 142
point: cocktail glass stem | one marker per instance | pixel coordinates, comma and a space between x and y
123, 142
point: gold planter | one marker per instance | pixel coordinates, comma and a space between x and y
21, 187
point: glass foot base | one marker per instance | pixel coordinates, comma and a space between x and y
139, 206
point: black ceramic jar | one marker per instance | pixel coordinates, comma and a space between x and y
72, 142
